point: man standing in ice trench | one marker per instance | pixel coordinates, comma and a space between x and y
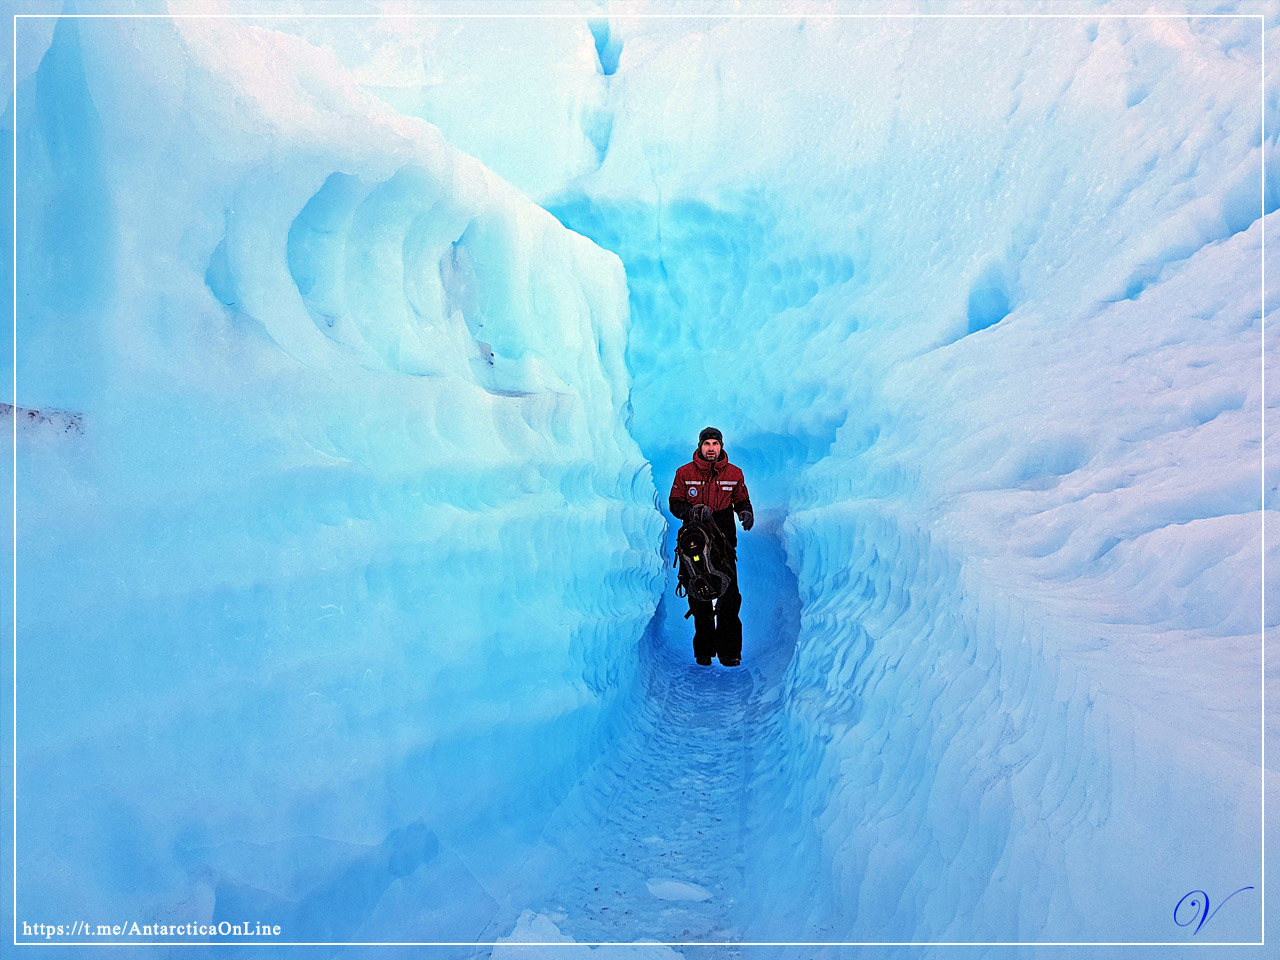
709, 488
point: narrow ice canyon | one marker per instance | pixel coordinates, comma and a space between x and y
353, 360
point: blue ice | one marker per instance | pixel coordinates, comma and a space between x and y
353, 361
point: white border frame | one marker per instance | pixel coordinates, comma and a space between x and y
1262, 305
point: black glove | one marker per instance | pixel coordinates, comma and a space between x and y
700, 512
747, 519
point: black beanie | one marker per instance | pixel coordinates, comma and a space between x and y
710, 433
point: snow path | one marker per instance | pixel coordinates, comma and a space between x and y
666, 814
676, 813
668, 805
667, 809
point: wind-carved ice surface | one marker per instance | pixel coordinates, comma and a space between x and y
351, 569
338, 591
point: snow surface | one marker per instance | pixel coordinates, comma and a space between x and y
353, 362
664, 888
538, 929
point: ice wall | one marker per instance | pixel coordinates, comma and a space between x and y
1025, 700
1010, 686
333, 549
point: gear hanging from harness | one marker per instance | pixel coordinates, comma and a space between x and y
701, 558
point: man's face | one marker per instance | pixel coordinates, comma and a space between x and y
710, 450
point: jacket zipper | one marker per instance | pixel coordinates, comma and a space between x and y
711, 479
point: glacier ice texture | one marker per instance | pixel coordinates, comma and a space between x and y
354, 359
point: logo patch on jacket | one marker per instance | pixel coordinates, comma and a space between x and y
693, 491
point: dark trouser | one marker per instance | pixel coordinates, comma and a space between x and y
716, 627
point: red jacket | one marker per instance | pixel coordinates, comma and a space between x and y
720, 485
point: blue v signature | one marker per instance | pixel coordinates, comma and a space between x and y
1197, 902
